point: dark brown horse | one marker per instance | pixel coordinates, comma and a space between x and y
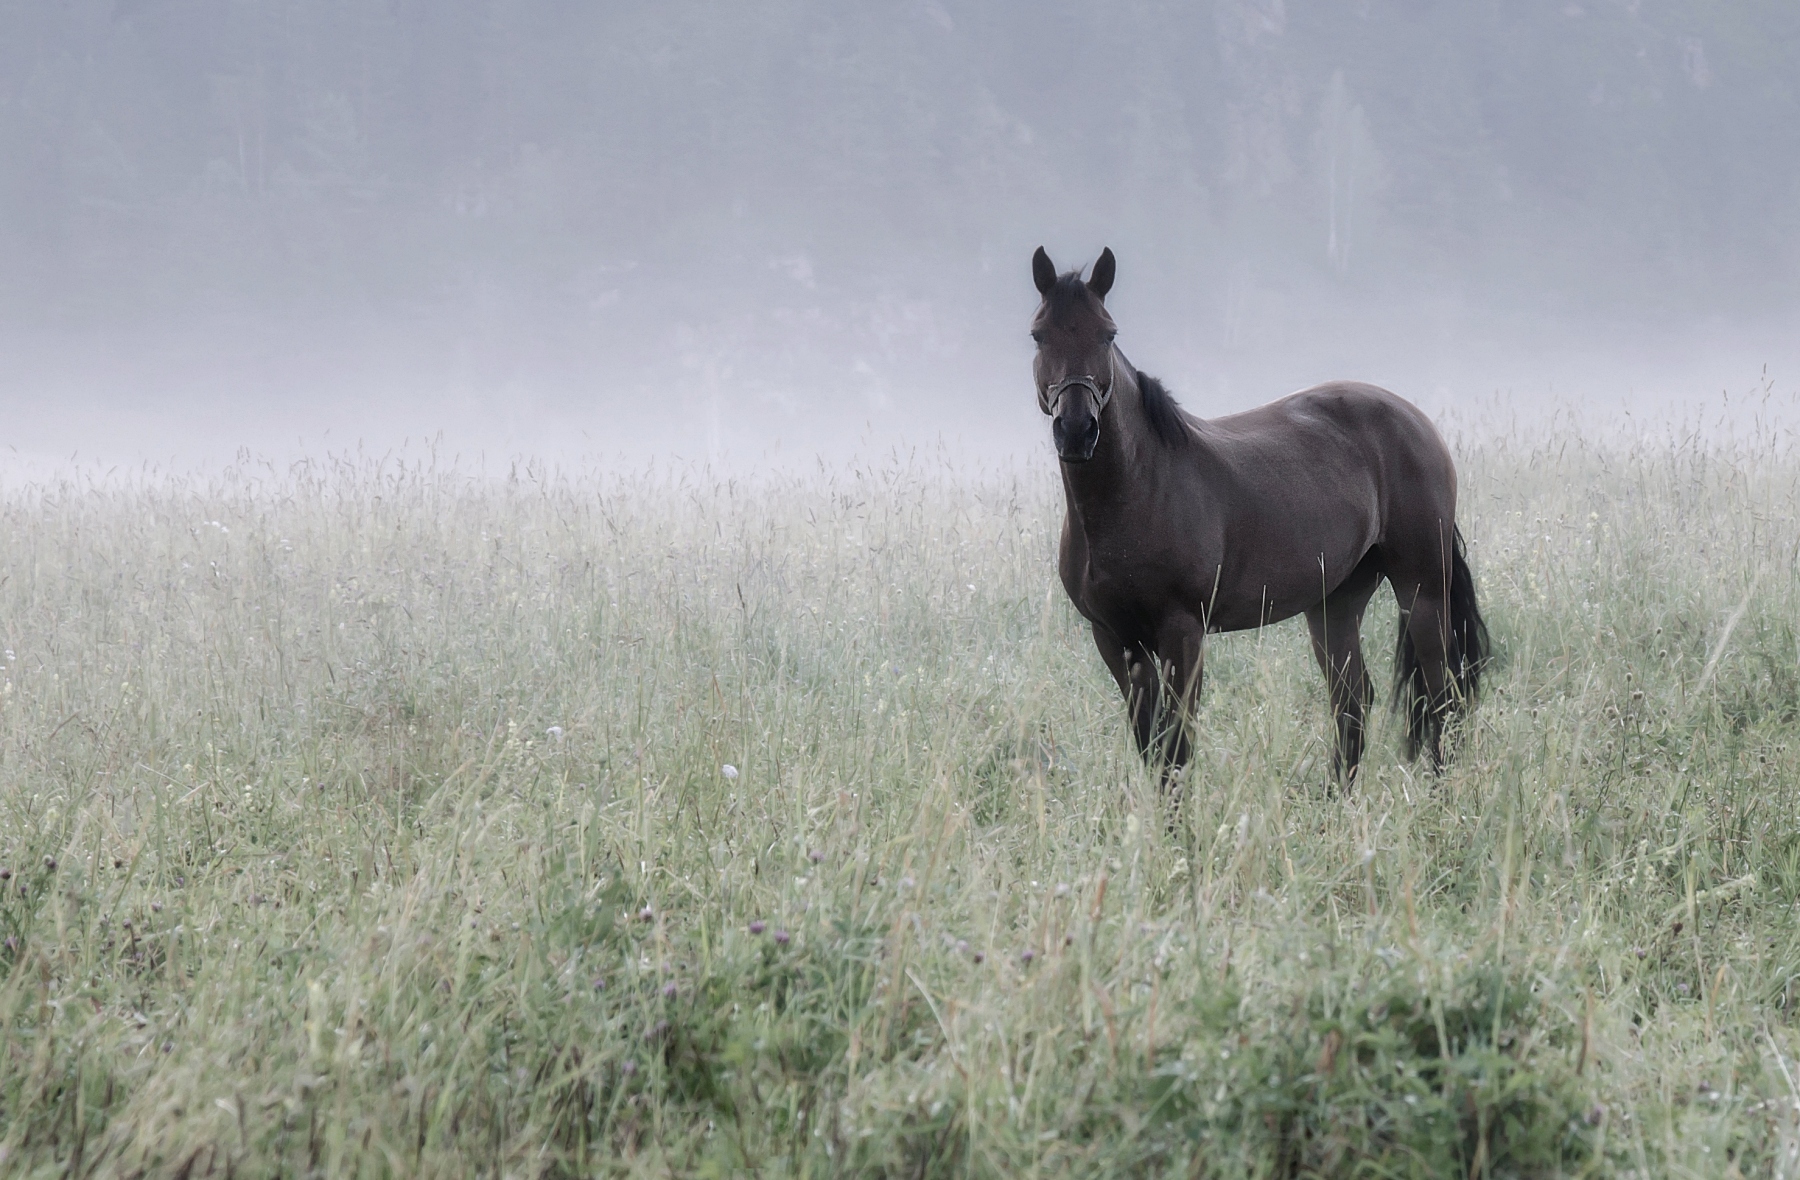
1178, 526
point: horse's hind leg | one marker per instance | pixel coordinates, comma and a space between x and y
1421, 669
1443, 643
1336, 626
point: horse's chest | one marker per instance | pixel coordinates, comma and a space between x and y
1128, 598
1120, 581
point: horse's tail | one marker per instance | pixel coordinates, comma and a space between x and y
1468, 632
1467, 656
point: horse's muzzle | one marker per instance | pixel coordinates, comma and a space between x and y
1076, 436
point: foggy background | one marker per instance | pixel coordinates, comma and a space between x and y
752, 230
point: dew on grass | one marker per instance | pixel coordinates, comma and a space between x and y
954, 787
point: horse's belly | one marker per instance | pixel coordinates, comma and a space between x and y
1247, 614
1262, 592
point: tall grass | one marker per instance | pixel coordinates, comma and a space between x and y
370, 819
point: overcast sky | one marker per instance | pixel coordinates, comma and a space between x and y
753, 229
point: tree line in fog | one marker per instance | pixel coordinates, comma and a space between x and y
349, 156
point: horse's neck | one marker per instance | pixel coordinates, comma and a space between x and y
1126, 468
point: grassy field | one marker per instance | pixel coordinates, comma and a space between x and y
366, 819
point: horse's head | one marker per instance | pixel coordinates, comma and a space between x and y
1075, 366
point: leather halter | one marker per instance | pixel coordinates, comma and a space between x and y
1052, 396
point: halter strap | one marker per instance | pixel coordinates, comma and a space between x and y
1053, 395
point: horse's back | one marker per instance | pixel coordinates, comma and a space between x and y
1344, 432
1321, 477
1353, 410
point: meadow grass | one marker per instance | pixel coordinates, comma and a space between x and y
368, 818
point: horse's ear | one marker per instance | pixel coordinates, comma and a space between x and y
1042, 272
1100, 282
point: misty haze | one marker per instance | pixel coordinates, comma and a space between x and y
545, 634
710, 230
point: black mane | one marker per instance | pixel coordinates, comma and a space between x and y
1163, 412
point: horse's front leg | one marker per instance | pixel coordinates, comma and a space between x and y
1181, 652
1143, 698
1138, 684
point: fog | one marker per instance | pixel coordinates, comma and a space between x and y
754, 233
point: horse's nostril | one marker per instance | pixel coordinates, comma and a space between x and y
1075, 438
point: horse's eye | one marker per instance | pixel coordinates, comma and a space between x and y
1038, 336
1111, 336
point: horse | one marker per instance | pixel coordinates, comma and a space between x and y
1178, 526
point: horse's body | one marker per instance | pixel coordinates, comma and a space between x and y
1178, 526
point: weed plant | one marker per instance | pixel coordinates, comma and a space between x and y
373, 819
